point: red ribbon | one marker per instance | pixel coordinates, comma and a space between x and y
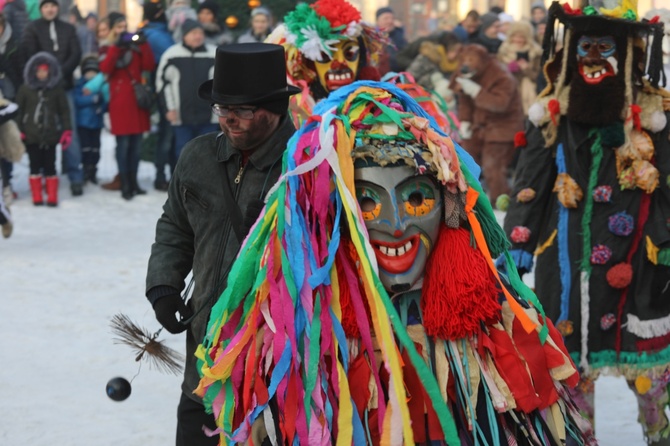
568, 10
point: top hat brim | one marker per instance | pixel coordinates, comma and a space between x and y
206, 92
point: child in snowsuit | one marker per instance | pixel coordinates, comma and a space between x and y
90, 109
44, 119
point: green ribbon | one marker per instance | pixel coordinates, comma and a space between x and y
590, 10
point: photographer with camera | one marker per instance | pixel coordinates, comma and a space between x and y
127, 61
59, 39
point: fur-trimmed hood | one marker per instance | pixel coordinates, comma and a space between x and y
55, 72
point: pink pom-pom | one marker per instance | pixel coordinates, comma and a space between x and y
520, 234
620, 275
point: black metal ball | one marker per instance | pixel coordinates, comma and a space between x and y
118, 388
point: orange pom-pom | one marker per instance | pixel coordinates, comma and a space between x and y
620, 275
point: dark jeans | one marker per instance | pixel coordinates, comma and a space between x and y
6, 168
128, 153
72, 156
90, 145
191, 416
164, 146
185, 133
42, 159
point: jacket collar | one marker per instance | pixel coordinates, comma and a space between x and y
200, 49
267, 153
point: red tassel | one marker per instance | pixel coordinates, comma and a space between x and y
635, 111
655, 19
459, 290
554, 108
520, 139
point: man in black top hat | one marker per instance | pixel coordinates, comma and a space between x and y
214, 197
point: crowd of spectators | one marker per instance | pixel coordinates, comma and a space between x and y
104, 70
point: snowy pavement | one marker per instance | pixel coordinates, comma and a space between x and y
63, 274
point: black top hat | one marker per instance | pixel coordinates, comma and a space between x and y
248, 74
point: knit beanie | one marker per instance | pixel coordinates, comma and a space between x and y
261, 10
43, 2
154, 11
188, 26
115, 17
211, 5
488, 19
90, 64
278, 107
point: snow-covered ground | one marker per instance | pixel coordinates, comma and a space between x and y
63, 274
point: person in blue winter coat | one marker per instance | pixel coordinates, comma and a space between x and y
89, 109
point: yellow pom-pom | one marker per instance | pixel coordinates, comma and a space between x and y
502, 202
642, 384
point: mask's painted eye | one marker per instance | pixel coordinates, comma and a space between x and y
351, 53
419, 199
369, 202
325, 57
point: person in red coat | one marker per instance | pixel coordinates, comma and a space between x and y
124, 64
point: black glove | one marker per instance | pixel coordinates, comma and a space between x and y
166, 307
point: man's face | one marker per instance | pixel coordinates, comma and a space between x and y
492, 31
120, 27
49, 11
206, 16
470, 25
597, 58
91, 23
260, 24
341, 69
537, 15
248, 134
402, 213
385, 22
194, 38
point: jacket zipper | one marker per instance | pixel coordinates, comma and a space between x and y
238, 178
224, 240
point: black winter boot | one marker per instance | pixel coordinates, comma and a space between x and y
135, 187
126, 187
90, 173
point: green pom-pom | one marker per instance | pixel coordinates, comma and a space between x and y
612, 135
502, 202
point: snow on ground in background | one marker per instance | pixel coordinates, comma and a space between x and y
64, 273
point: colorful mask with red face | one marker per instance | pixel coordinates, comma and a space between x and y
402, 212
597, 58
340, 69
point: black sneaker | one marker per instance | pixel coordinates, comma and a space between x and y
77, 189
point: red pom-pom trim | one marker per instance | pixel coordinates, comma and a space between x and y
620, 275
554, 108
368, 73
337, 12
520, 139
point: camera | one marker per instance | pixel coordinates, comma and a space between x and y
127, 40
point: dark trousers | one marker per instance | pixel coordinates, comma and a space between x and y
191, 416
128, 153
42, 159
6, 168
90, 145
